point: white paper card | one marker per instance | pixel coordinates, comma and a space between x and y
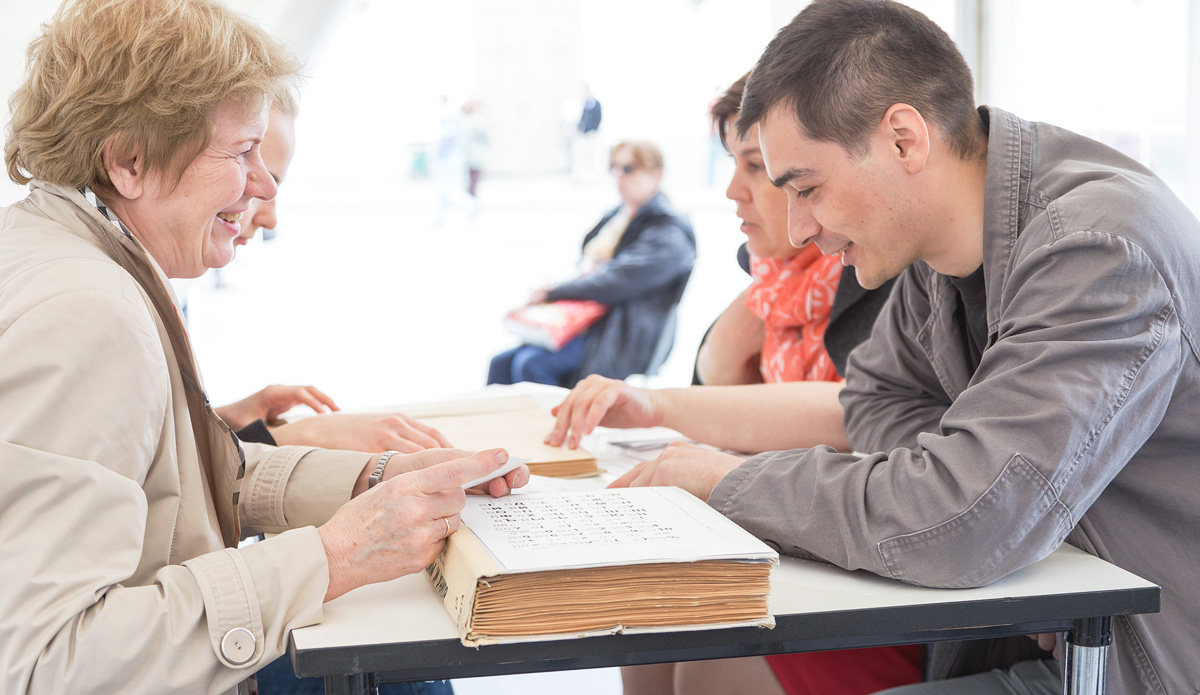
512, 465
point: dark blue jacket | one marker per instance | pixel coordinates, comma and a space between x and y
641, 285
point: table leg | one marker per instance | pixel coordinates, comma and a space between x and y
353, 684
1087, 656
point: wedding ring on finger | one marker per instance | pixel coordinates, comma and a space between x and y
447, 520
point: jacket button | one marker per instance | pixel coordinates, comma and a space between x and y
238, 645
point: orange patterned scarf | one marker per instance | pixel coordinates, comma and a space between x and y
793, 297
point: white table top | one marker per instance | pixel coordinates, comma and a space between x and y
408, 610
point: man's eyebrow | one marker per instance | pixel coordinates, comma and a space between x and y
797, 173
749, 150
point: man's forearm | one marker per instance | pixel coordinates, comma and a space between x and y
758, 417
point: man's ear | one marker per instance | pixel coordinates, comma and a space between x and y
907, 136
125, 165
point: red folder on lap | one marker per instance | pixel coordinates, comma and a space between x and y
554, 324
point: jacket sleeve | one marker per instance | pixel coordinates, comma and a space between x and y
289, 487
1082, 372
892, 392
659, 256
83, 404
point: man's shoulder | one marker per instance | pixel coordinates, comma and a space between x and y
1089, 186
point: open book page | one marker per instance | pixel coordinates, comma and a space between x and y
517, 424
533, 532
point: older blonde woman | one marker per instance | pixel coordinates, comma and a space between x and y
124, 496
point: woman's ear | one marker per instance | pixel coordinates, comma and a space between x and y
125, 165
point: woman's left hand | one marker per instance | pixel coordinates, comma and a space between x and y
273, 401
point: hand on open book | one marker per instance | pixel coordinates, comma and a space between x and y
373, 432
696, 469
273, 401
598, 400
401, 524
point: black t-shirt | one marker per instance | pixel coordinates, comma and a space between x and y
971, 314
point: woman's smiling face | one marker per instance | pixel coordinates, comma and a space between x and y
191, 227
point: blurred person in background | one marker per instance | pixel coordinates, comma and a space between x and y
138, 128
636, 262
586, 138
475, 144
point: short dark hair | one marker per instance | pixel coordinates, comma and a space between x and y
726, 107
841, 64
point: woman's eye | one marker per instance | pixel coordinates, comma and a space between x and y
754, 167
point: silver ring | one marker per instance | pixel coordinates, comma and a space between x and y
447, 520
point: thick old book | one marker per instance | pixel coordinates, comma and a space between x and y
571, 564
517, 424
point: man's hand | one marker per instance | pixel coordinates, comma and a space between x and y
361, 432
400, 526
693, 468
273, 401
598, 400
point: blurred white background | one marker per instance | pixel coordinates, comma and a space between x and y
378, 294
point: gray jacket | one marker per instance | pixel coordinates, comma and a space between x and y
1079, 425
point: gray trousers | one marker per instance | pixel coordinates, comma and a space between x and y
1026, 678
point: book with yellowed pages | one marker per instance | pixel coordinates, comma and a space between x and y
514, 423
559, 565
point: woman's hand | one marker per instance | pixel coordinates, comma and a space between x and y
539, 295
400, 526
361, 432
598, 400
406, 463
273, 401
693, 468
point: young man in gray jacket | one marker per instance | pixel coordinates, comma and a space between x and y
1035, 376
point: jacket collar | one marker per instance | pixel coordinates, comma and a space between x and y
1011, 148
106, 233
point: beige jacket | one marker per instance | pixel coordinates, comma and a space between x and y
114, 526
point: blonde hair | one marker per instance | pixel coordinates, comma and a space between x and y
644, 153
147, 74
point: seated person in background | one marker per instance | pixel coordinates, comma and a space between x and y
256, 417
1035, 377
789, 304
636, 262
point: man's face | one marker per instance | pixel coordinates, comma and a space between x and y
277, 148
845, 204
